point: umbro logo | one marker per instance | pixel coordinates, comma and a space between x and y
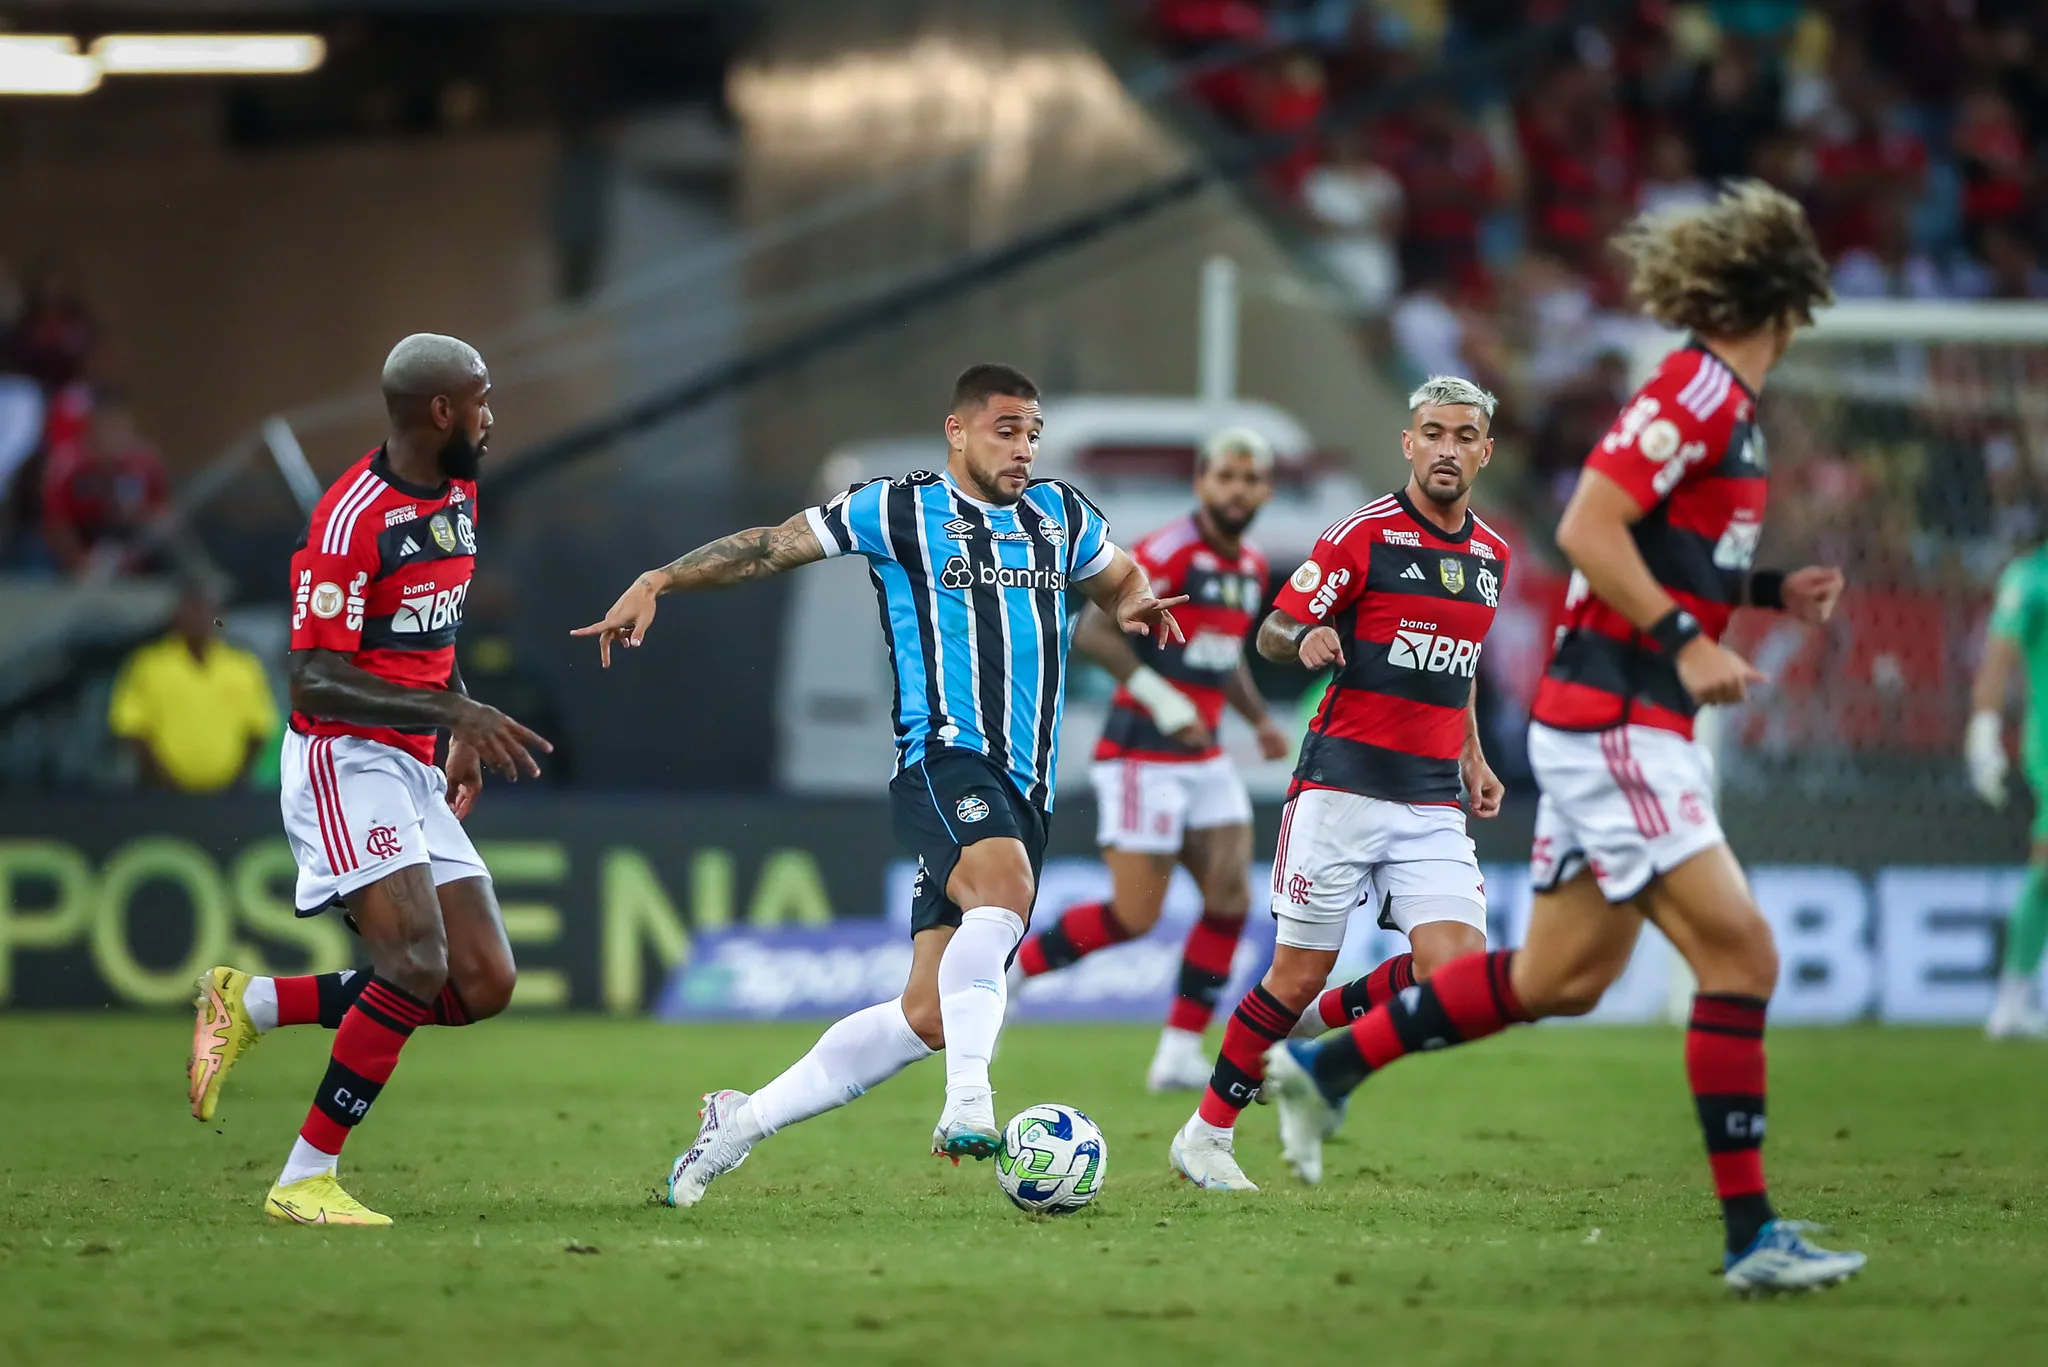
1413, 572
959, 529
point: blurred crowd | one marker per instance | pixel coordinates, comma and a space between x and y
1465, 233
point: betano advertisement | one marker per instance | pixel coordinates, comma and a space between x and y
763, 909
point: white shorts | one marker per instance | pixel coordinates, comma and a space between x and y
1144, 805
1630, 803
1338, 850
357, 811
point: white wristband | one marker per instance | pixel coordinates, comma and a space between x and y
1170, 708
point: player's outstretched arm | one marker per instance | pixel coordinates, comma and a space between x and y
754, 553
325, 684
1594, 535
1124, 593
1284, 640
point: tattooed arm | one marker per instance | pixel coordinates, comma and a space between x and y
754, 553
326, 683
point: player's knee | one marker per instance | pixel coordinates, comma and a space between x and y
1450, 941
487, 988
1230, 898
921, 1013
419, 965
1753, 961
1294, 984
1135, 916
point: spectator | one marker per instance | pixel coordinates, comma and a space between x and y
1580, 158
1889, 267
1991, 153
1868, 158
194, 710
1668, 178
1289, 101
2008, 267
101, 490
1449, 179
56, 335
1732, 105
1356, 206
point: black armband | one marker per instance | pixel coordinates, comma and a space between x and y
1767, 589
1673, 630
1300, 632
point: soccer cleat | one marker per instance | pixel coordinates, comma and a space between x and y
1178, 1065
1305, 1120
718, 1150
1781, 1259
319, 1200
2013, 1013
221, 1033
1207, 1159
967, 1128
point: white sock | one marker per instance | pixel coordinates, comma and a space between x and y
864, 1050
973, 991
259, 998
306, 1161
1176, 1041
1310, 1026
1198, 1128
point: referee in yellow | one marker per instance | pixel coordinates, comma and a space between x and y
195, 710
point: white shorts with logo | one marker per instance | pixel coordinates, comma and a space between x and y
1340, 850
1145, 805
1630, 803
356, 811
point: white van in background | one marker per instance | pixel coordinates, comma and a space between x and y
1135, 458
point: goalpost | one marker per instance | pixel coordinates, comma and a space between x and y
1908, 441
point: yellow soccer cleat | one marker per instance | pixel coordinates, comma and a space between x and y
319, 1200
221, 1032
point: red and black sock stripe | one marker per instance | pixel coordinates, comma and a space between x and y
1078, 933
1340, 1006
1259, 1021
1467, 999
323, 999
366, 1047
1724, 1064
1204, 969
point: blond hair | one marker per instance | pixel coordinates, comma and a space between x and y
1742, 264
1451, 389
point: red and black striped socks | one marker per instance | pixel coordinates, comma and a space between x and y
1339, 1006
1259, 1021
1078, 933
1467, 999
1204, 969
1724, 1064
323, 999
366, 1047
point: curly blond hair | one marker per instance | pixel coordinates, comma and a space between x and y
1737, 266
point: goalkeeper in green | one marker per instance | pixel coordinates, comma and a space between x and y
2017, 636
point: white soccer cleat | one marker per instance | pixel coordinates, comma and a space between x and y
1781, 1259
1178, 1065
1207, 1159
2014, 1015
1307, 1117
967, 1128
718, 1150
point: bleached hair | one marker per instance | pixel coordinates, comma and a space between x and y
1446, 389
427, 363
1245, 439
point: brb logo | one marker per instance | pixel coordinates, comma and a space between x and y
1299, 888
382, 842
430, 610
1418, 646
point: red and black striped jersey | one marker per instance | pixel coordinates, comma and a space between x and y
1689, 452
1224, 593
1412, 604
381, 577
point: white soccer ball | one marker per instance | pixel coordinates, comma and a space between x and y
1053, 1159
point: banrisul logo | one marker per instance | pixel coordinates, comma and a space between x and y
960, 574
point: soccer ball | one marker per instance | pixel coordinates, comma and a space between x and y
1053, 1159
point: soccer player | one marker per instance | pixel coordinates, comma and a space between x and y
377, 591
1661, 533
979, 571
2017, 639
1165, 792
1398, 597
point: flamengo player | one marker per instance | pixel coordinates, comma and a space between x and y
978, 571
1165, 792
1661, 533
1399, 597
377, 589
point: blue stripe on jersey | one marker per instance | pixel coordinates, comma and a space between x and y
977, 635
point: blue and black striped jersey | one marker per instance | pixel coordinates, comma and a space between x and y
978, 607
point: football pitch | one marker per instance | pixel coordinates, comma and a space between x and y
1539, 1198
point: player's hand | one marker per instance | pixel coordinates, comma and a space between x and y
1712, 673
1140, 613
627, 622
465, 777
1984, 753
1195, 736
1273, 742
1811, 593
503, 744
1482, 786
1322, 646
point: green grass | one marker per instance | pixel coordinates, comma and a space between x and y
1540, 1198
